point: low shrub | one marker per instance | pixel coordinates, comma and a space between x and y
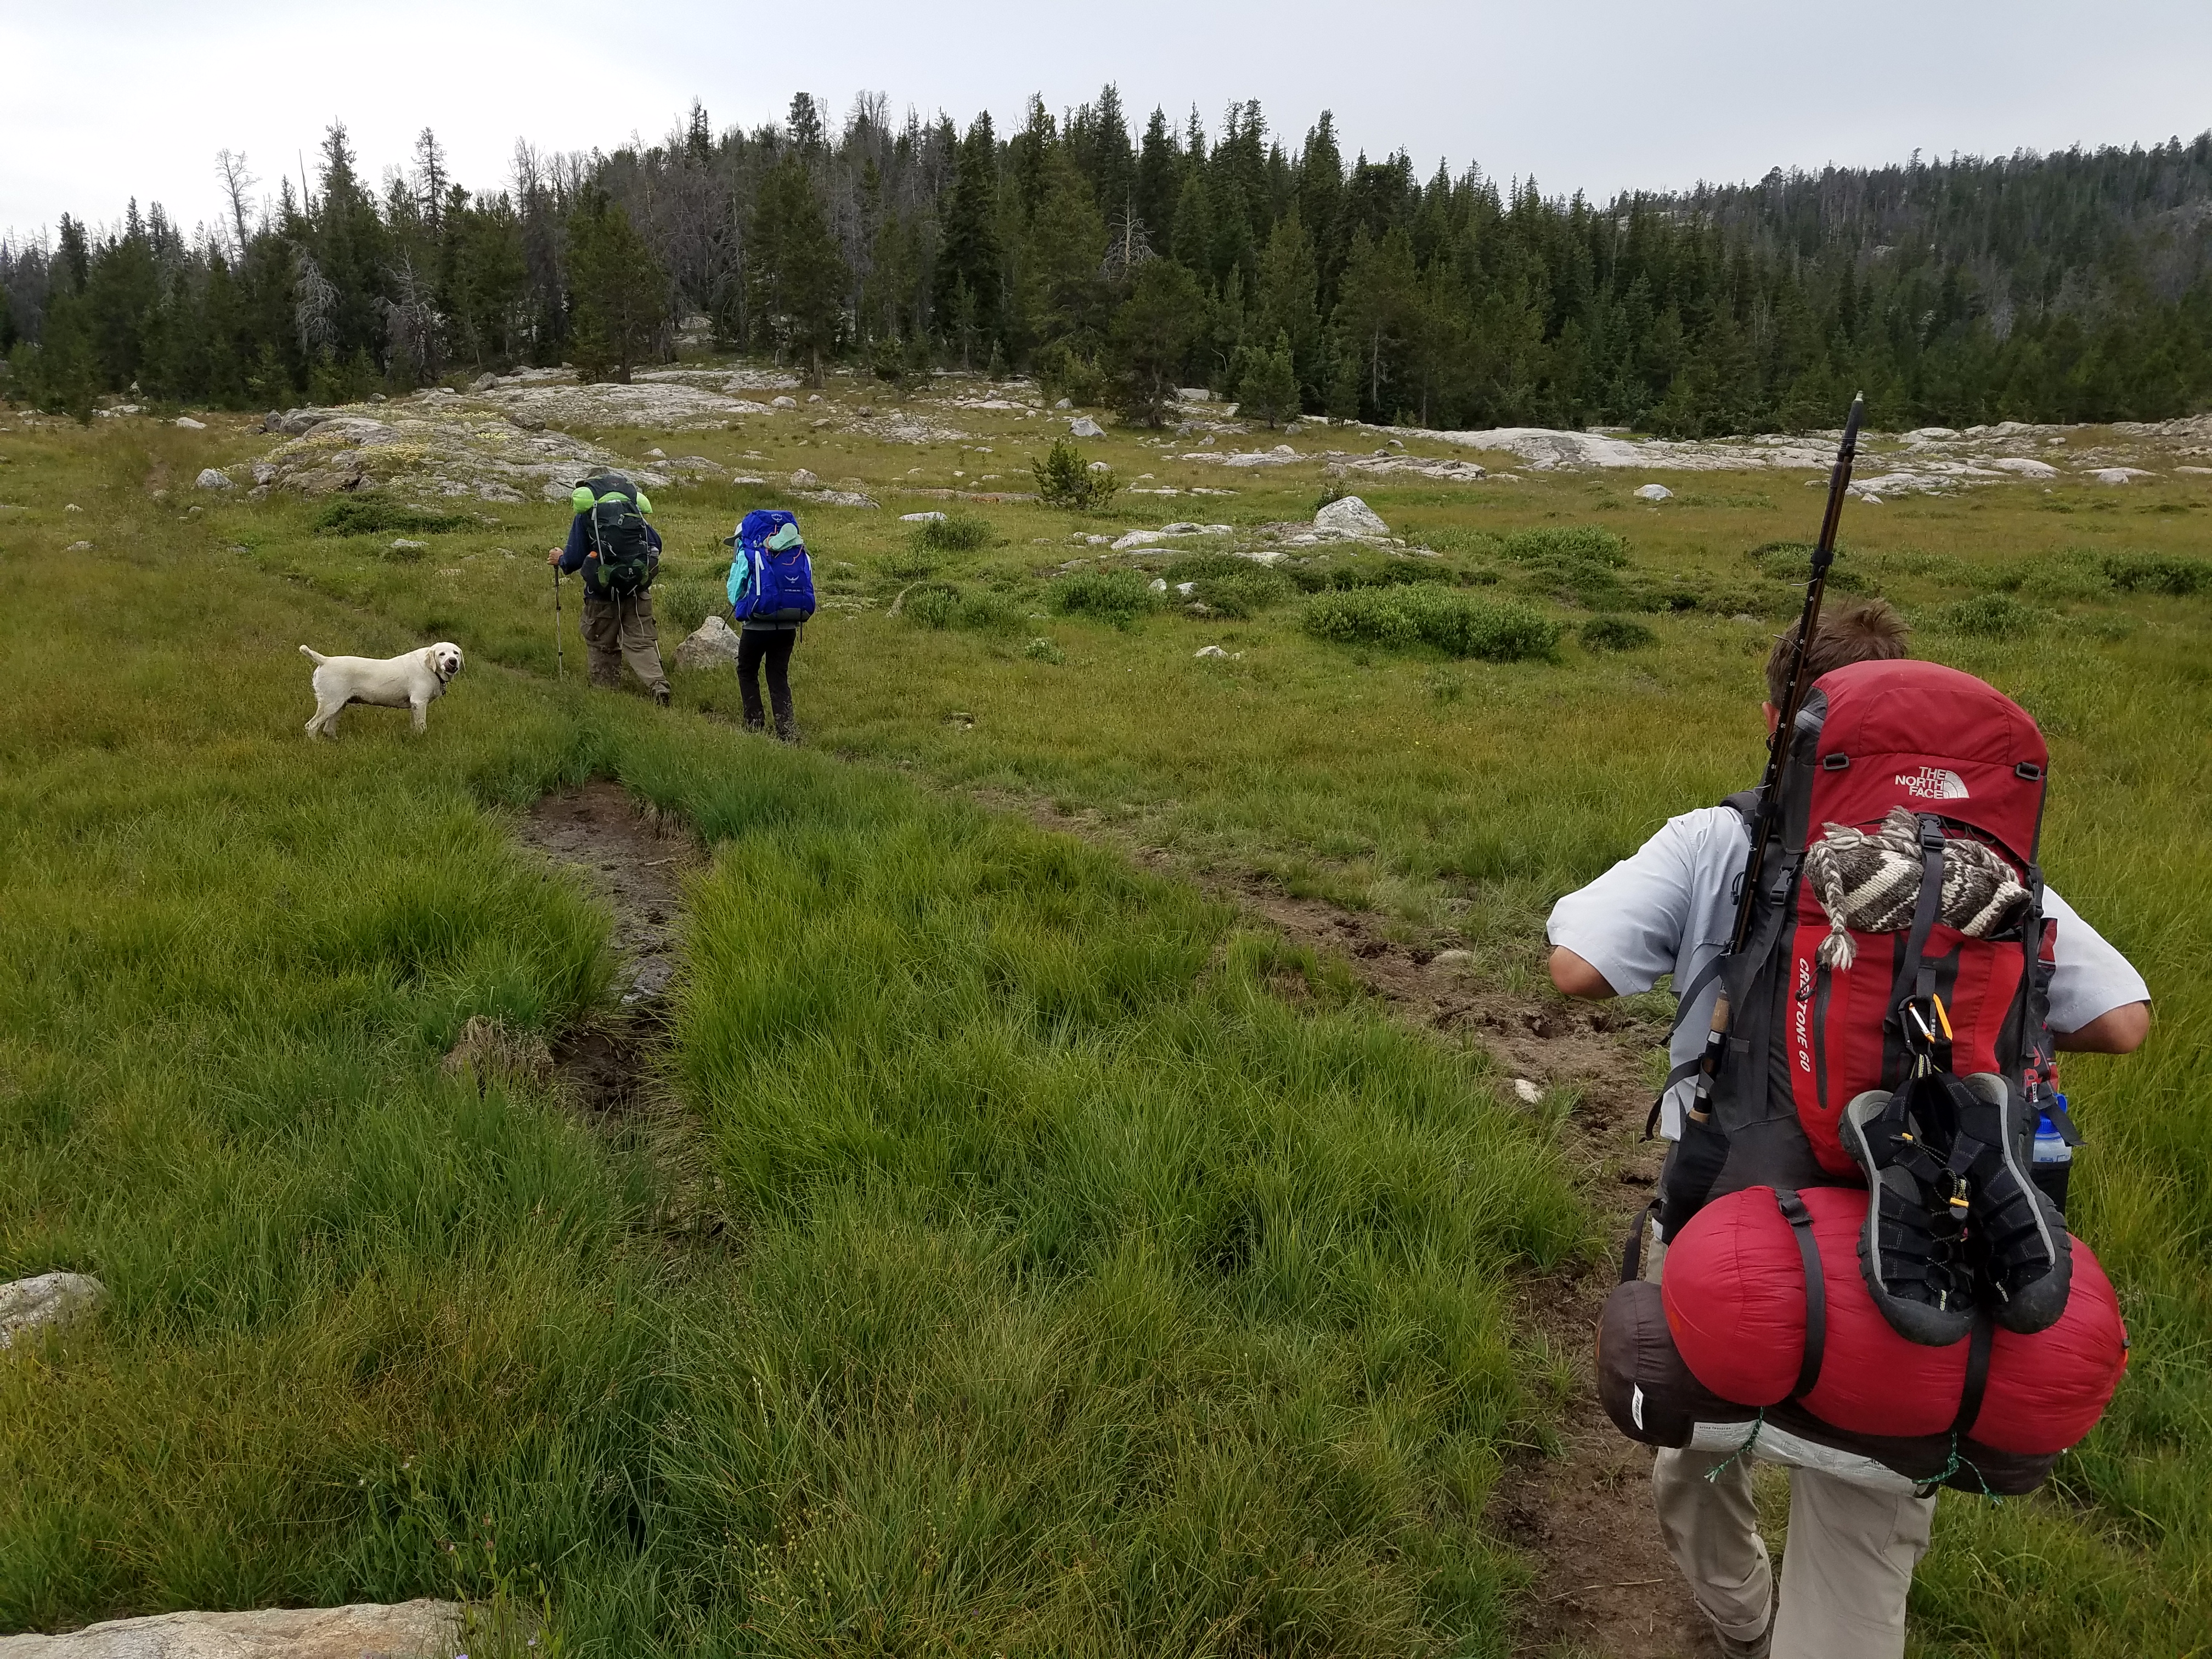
943, 604
685, 602
1243, 593
1616, 634
1989, 617
955, 533
1580, 564
1456, 624
1316, 577
1201, 567
1792, 561
1116, 596
1565, 546
2078, 574
2158, 573
365, 515
1064, 479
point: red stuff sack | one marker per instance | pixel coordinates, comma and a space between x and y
1733, 1289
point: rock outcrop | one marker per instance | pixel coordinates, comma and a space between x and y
459, 455
710, 644
1168, 532
25, 1304
1349, 516
407, 1630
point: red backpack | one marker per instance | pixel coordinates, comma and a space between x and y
1808, 1033
1762, 1324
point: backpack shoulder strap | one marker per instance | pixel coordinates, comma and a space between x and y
1745, 804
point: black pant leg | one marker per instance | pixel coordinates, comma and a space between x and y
752, 645
778, 682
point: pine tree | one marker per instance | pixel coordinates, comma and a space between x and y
799, 275
969, 293
1191, 239
350, 246
1267, 387
1158, 178
1153, 333
1062, 293
431, 177
1098, 144
1288, 298
617, 292
1377, 315
1319, 193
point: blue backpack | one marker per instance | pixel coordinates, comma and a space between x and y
771, 578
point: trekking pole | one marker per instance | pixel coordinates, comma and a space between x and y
560, 653
1777, 748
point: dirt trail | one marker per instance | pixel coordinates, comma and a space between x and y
610, 1065
1604, 1584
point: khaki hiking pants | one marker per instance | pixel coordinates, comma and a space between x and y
619, 630
1846, 1568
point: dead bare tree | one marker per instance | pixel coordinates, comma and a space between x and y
230, 168
414, 327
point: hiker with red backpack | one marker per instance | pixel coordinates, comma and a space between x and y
1860, 1274
771, 593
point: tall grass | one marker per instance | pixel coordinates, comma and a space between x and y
1093, 1277
1053, 1326
1078, 1244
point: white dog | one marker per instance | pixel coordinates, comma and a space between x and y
414, 680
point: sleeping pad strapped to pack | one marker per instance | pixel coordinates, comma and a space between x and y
1861, 981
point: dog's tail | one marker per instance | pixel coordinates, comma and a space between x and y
313, 655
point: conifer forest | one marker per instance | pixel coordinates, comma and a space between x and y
1118, 260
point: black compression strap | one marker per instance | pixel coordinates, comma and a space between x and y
1631, 1251
1816, 1289
1687, 994
1688, 1068
1913, 970
1977, 1371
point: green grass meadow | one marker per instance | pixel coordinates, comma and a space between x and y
1090, 1272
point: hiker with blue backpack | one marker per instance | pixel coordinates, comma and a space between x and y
771, 593
618, 555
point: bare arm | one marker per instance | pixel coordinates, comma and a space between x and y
2118, 1031
1576, 978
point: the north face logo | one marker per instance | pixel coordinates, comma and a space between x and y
1932, 783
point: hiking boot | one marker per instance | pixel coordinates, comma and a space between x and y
1913, 1247
786, 730
2025, 1257
660, 695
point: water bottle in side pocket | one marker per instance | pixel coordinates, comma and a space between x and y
2054, 1158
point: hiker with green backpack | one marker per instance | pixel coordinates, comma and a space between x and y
618, 555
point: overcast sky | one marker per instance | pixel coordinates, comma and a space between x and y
105, 101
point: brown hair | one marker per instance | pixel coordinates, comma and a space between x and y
1868, 632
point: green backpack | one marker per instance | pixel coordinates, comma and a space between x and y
623, 560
